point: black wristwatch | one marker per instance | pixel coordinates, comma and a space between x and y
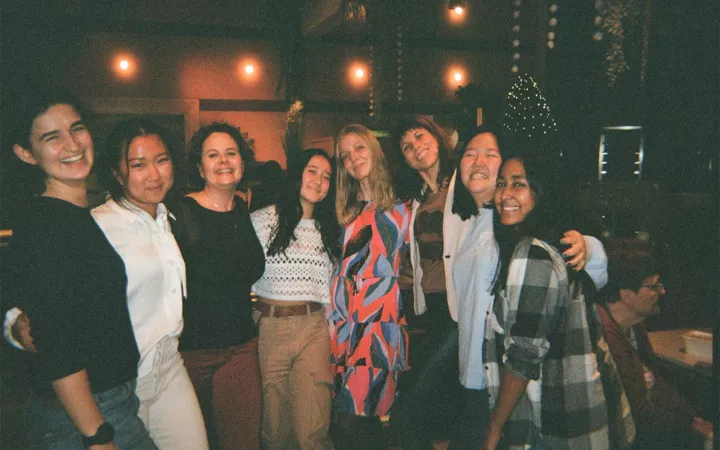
104, 435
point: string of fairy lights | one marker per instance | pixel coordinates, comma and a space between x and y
399, 62
515, 67
552, 22
528, 114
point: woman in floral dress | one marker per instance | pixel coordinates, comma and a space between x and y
369, 335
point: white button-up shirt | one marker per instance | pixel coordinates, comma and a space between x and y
155, 271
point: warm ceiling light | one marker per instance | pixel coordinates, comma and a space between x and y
459, 10
456, 75
249, 69
358, 74
456, 5
124, 66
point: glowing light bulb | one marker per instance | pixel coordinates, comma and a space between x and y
459, 10
249, 69
359, 73
458, 76
124, 64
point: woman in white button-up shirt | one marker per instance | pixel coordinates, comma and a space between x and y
138, 171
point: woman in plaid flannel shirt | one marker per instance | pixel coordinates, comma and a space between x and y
545, 389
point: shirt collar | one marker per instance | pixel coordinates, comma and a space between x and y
133, 213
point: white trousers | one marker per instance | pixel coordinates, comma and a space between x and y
168, 404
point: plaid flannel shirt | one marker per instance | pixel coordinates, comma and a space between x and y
538, 329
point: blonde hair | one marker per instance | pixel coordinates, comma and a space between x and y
347, 206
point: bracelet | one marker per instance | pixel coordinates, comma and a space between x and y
104, 434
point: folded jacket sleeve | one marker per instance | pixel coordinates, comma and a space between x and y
534, 298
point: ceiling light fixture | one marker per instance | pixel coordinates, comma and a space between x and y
458, 6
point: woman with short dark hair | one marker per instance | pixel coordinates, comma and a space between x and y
68, 278
224, 258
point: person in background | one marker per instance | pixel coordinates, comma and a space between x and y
664, 418
300, 238
369, 340
66, 276
436, 231
224, 258
541, 373
137, 169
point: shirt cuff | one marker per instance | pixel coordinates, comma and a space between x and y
11, 317
596, 265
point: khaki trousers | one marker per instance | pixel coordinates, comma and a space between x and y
297, 382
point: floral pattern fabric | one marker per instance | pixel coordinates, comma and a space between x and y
369, 340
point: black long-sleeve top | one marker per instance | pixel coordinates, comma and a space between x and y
65, 275
223, 258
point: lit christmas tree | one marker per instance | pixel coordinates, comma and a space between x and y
527, 114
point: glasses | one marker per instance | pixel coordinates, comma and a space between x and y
656, 287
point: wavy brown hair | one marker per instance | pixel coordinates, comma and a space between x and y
347, 206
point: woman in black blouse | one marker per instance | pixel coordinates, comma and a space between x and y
64, 274
224, 258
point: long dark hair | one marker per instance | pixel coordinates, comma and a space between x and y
409, 183
463, 203
289, 208
118, 146
546, 221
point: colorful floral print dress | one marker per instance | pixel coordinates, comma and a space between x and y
369, 332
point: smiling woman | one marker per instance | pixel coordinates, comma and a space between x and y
369, 330
138, 171
224, 258
66, 276
299, 235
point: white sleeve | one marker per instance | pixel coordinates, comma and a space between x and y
10, 318
596, 265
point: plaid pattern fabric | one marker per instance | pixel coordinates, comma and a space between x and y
538, 329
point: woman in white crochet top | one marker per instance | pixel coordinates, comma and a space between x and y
300, 238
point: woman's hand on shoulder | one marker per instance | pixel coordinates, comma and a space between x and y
576, 255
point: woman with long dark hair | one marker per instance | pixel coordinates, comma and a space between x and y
300, 237
71, 282
224, 258
138, 170
546, 391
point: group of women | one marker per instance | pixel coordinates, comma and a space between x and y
142, 318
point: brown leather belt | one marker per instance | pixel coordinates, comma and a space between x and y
267, 310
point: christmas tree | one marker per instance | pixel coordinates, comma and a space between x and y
527, 114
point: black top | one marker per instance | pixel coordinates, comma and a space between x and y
65, 275
223, 257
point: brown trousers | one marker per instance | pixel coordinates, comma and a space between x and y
227, 382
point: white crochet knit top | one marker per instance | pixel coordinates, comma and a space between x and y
303, 271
